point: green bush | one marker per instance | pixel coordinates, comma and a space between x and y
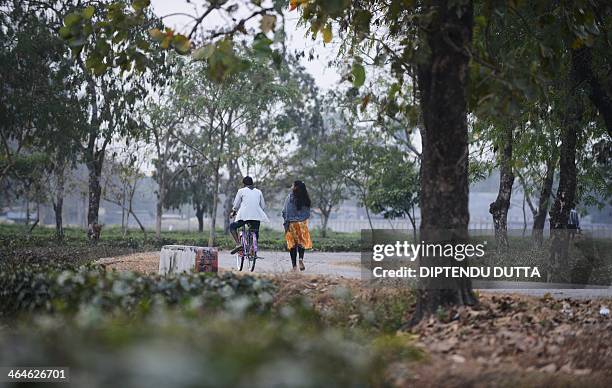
123, 329
226, 350
53, 288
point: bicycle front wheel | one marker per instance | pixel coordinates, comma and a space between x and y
239, 261
253, 256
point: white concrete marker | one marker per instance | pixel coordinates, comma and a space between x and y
184, 258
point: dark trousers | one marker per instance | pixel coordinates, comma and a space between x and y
253, 225
293, 252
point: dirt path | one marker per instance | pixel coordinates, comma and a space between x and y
338, 264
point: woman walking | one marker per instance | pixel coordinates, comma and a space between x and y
296, 213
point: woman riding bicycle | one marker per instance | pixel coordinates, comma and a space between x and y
248, 208
296, 213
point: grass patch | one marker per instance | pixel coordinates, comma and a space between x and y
14, 237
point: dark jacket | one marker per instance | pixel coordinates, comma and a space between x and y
291, 212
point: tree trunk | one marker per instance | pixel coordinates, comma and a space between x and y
200, 217
94, 167
213, 216
499, 208
325, 215
58, 204
124, 225
230, 188
413, 223
27, 206
442, 83
539, 219
161, 196
524, 216
368, 213
564, 202
566, 192
227, 208
159, 207
131, 211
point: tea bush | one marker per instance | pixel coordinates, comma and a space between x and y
51, 288
223, 350
218, 330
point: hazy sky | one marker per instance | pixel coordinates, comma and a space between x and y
326, 77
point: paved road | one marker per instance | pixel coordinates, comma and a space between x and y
342, 264
346, 264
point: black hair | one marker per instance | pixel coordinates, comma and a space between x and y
300, 195
247, 181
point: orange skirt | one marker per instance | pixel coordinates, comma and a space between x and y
298, 234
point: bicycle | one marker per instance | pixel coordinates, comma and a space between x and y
248, 241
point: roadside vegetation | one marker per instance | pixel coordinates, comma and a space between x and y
14, 241
301, 330
186, 330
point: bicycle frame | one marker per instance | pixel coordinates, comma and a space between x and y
248, 240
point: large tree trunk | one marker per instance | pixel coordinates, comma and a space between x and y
564, 202
566, 192
539, 219
499, 208
442, 82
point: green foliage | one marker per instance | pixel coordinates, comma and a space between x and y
394, 189
39, 109
111, 36
13, 239
198, 329
216, 335
38, 287
359, 75
219, 351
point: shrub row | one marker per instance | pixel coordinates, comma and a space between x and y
53, 288
13, 238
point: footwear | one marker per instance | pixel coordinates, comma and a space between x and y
294, 269
302, 265
236, 249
